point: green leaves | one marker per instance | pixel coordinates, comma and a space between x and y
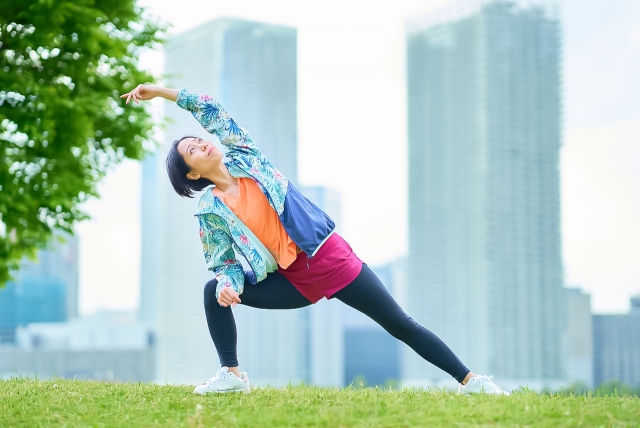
63, 65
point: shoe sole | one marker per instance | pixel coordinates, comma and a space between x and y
244, 391
471, 394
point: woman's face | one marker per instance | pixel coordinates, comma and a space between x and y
200, 155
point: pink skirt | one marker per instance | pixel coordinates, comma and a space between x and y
334, 266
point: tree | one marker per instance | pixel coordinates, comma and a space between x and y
63, 64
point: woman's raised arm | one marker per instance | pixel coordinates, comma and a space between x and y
217, 121
206, 110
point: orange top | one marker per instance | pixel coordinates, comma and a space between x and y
252, 207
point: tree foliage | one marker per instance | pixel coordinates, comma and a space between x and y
63, 64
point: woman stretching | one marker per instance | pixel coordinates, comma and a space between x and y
294, 254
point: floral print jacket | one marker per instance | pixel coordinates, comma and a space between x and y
221, 231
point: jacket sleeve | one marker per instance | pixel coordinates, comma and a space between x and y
217, 121
218, 253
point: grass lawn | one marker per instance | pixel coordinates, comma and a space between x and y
28, 402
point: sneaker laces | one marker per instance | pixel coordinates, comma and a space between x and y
216, 377
485, 382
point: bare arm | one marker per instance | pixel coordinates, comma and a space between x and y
206, 110
148, 92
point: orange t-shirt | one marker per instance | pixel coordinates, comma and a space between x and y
252, 207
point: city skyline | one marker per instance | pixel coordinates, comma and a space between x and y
592, 169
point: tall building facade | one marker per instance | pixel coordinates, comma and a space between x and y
151, 180
579, 338
484, 112
616, 347
250, 68
44, 290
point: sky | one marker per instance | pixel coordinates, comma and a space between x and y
352, 105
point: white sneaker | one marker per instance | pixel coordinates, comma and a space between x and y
225, 381
481, 384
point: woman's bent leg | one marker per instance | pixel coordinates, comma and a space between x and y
275, 292
368, 295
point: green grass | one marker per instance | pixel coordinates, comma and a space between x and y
28, 402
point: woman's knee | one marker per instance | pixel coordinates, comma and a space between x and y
210, 292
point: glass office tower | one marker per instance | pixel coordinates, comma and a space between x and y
44, 290
616, 347
484, 118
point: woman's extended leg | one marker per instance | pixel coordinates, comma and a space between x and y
367, 294
275, 292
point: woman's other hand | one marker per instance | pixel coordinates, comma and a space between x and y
141, 92
228, 297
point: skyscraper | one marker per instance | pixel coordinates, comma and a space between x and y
250, 68
579, 337
44, 290
484, 125
616, 347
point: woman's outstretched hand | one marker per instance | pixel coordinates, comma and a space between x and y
228, 297
149, 92
141, 92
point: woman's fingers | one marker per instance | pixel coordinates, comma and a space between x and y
236, 299
224, 299
134, 94
228, 297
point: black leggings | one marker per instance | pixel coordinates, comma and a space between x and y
365, 294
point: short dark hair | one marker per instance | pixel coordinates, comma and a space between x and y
178, 169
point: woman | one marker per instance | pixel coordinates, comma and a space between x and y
295, 257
